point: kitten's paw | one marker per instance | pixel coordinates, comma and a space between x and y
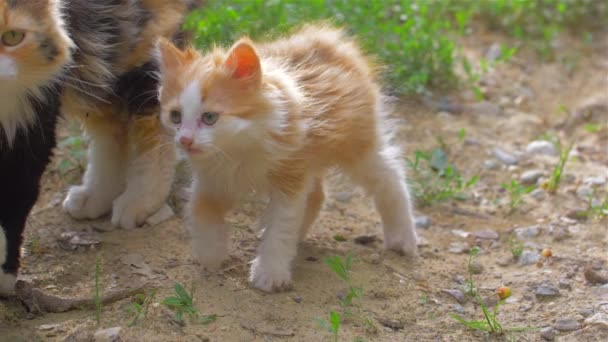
7, 284
402, 245
270, 276
83, 203
209, 255
129, 211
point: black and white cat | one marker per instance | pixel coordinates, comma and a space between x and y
91, 59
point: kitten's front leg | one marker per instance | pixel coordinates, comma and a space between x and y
209, 233
150, 170
271, 269
104, 178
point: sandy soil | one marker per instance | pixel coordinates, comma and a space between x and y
406, 295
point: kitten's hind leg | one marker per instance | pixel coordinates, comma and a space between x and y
382, 174
104, 178
150, 170
314, 203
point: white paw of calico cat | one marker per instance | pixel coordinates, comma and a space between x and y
270, 276
401, 241
131, 210
83, 203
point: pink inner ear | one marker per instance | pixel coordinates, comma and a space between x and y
244, 60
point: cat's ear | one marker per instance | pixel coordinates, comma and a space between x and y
170, 57
243, 61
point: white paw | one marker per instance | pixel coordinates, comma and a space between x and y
7, 284
271, 275
403, 245
83, 203
130, 211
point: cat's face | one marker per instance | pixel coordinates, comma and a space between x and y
213, 103
34, 45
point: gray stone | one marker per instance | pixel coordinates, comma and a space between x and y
530, 176
527, 232
586, 312
486, 108
458, 247
505, 157
566, 324
599, 319
546, 291
423, 222
547, 333
491, 164
486, 234
564, 284
344, 197
107, 335
584, 192
460, 309
494, 52
543, 147
529, 258
476, 267
456, 294
600, 180
538, 194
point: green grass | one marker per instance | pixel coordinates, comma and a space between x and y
516, 192
554, 181
434, 179
516, 247
415, 39
139, 306
182, 303
342, 268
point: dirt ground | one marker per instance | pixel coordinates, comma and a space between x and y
404, 299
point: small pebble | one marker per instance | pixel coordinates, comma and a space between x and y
527, 232
476, 267
423, 222
391, 323
491, 164
458, 247
600, 180
486, 108
486, 234
600, 319
107, 335
547, 333
546, 291
529, 258
538, 194
530, 176
595, 277
584, 192
460, 309
586, 312
564, 284
456, 294
543, 147
505, 157
344, 197
566, 324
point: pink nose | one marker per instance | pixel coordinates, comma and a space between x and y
185, 141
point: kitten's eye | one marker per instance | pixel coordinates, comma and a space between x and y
12, 38
210, 118
175, 116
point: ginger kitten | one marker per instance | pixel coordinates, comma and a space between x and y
273, 118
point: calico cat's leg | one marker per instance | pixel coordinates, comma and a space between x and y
104, 178
314, 203
209, 232
8, 271
382, 174
150, 170
271, 269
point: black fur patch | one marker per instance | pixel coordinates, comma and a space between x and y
138, 89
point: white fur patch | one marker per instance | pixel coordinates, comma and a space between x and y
7, 281
8, 68
190, 101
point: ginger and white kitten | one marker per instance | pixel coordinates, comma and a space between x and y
273, 118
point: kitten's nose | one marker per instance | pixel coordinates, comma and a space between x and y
185, 141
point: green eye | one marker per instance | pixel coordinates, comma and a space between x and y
12, 38
175, 116
210, 118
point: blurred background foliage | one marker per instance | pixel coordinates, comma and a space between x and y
415, 39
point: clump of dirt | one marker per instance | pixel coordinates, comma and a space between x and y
404, 299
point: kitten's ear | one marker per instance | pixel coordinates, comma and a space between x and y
170, 57
243, 60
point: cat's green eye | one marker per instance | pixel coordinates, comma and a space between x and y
12, 38
210, 118
175, 116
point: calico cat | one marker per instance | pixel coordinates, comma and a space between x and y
90, 59
274, 117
